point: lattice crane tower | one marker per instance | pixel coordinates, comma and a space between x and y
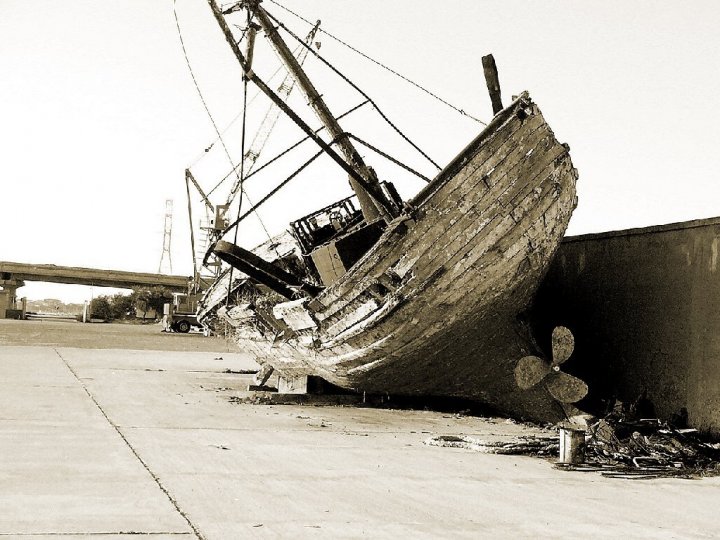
165, 266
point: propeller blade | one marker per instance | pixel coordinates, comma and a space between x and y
530, 370
563, 344
566, 388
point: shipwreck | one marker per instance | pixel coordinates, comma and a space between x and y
424, 296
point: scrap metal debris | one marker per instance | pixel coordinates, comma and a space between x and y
646, 448
616, 446
524, 444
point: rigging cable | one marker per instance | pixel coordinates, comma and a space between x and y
347, 80
257, 93
197, 86
274, 191
291, 147
272, 115
207, 109
389, 157
461, 111
192, 232
263, 200
204, 152
241, 177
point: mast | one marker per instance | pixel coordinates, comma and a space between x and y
271, 116
363, 180
371, 209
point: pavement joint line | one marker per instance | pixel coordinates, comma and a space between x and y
273, 430
153, 370
132, 449
100, 533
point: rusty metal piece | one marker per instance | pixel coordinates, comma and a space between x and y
572, 445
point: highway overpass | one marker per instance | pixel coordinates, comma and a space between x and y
74, 275
14, 275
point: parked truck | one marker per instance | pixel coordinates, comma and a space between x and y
181, 314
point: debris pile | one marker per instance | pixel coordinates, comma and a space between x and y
524, 444
618, 446
646, 448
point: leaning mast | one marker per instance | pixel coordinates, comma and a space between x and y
363, 180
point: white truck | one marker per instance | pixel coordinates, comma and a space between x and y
181, 314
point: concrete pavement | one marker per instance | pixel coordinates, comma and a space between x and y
117, 443
65, 468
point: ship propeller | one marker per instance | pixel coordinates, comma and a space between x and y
531, 370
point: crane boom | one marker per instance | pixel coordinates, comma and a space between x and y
271, 117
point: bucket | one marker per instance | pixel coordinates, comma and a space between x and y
572, 445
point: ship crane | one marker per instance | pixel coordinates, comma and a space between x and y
218, 214
271, 117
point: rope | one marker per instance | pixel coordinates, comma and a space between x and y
269, 195
461, 111
192, 233
389, 157
292, 147
362, 93
232, 122
207, 110
272, 115
197, 86
240, 180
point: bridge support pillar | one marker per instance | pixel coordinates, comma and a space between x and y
8, 295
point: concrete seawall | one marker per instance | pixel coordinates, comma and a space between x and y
644, 306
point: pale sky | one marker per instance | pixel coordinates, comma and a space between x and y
100, 117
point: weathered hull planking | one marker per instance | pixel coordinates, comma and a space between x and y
435, 306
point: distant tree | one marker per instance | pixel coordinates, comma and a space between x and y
122, 306
111, 308
153, 297
100, 308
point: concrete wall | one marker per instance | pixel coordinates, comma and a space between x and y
5, 303
644, 305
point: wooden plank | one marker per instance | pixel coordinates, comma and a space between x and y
470, 331
460, 352
462, 229
420, 340
428, 228
496, 126
510, 224
469, 226
493, 82
460, 279
377, 254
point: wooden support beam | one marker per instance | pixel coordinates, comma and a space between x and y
493, 82
293, 385
263, 375
269, 274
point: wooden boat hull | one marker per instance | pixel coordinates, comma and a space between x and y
435, 307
